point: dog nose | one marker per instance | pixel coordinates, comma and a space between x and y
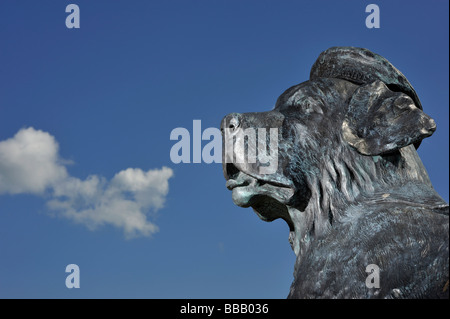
231, 122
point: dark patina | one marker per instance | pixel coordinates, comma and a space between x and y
349, 182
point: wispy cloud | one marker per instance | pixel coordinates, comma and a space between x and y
30, 163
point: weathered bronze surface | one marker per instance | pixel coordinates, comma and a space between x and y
348, 180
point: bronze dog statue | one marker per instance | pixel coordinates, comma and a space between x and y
347, 180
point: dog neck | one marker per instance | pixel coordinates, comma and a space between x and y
346, 181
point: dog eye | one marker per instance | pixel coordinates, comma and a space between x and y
312, 107
307, 107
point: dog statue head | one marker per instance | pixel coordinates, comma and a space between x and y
349, 132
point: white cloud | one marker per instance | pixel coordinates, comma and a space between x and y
30, 163
122, 202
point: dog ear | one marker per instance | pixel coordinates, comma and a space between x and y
380, 121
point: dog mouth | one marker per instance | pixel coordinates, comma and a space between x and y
240, 179
237, 177
248, 189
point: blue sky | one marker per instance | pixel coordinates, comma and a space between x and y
100, 102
